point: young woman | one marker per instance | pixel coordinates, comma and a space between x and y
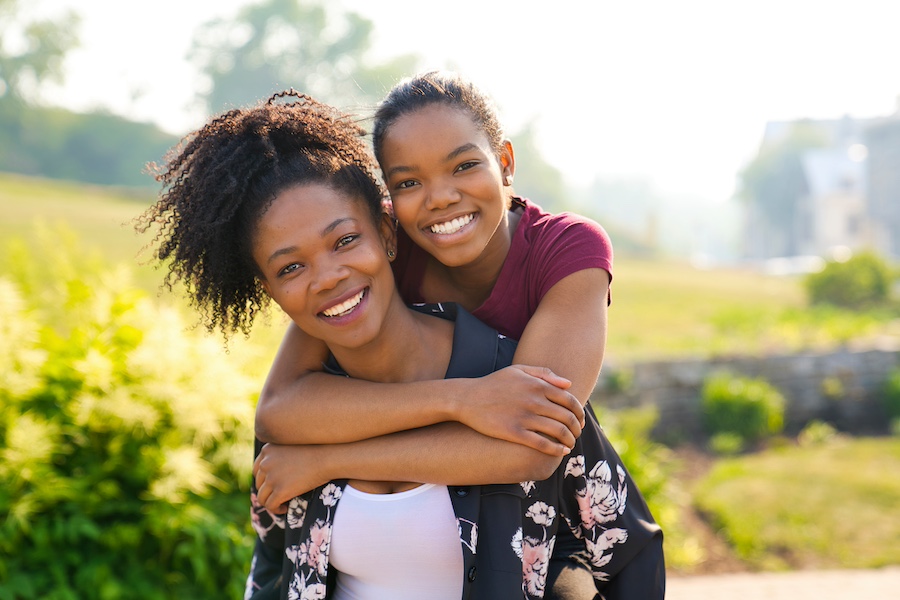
540, 278
280, 202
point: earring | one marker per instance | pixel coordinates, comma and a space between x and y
507, 180
391, 254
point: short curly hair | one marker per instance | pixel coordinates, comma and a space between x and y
218, 182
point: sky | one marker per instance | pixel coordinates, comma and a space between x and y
675, 94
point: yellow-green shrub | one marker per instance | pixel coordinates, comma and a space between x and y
125, 440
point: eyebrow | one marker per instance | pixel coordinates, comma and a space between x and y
328, 229
453, 154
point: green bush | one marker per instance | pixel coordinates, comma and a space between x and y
652, 465
863, 281
891, 395
125, 440
748, 407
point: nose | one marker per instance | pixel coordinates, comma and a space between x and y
328, 274
441, 195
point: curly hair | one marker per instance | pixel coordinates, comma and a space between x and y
218, 182
437, 87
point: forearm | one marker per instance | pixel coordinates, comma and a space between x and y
446, 454
567, 333
326, 409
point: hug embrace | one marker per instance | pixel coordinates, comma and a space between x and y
424, 431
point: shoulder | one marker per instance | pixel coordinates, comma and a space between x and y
542, 228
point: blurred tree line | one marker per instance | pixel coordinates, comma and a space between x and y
265, 47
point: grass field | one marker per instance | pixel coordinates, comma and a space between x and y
823, 506
660, 308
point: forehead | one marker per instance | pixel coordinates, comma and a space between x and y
303, 210
437, 119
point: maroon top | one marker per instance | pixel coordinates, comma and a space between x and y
545, 248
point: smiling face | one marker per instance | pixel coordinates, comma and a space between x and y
324, 261
447, 185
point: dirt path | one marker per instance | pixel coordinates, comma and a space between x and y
876, 584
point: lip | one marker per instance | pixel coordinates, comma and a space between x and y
340, 299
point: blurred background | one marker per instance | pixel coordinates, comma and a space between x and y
744, 157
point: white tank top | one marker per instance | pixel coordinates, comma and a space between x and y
402, 546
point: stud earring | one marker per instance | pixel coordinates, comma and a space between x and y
507, 180
391, 254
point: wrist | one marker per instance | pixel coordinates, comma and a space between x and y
456, 402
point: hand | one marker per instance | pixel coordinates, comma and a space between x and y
283, 472
525, 405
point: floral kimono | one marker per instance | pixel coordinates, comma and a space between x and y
506, 532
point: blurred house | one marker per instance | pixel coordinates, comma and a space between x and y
841, 196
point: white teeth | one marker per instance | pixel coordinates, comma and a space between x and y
344, 307
452, 226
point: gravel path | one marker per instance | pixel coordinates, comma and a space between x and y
876, 584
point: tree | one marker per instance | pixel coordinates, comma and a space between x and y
536, 178
31, 50
278, 44
774, 181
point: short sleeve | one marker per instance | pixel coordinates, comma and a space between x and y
567, 243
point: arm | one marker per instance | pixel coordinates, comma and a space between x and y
567, 333
524, 405
446, 454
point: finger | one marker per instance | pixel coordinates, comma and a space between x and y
277, 503
545, 374
563, 416
262, 494
540, 443
566, 401
556, 431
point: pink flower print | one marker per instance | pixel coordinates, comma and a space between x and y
527, 487
598, 551
575, 466
261, 519
604, 501
471, 527
612, 536
541, 513
330, 494
535, 561
314, 551
296, 513
299, 590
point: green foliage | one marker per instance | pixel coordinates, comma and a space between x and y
819, 506
124, 439
748, 407
727, 443
651, 465
891, 394
91, 147
816, 433
31, 50
863, 281
274, 44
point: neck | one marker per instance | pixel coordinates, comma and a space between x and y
471, 284
411, 347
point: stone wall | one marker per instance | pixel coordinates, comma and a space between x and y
842, 388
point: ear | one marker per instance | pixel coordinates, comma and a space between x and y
388, 230
507, 160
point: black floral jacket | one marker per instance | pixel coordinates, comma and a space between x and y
507, 532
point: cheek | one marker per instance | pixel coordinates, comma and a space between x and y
405, 210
